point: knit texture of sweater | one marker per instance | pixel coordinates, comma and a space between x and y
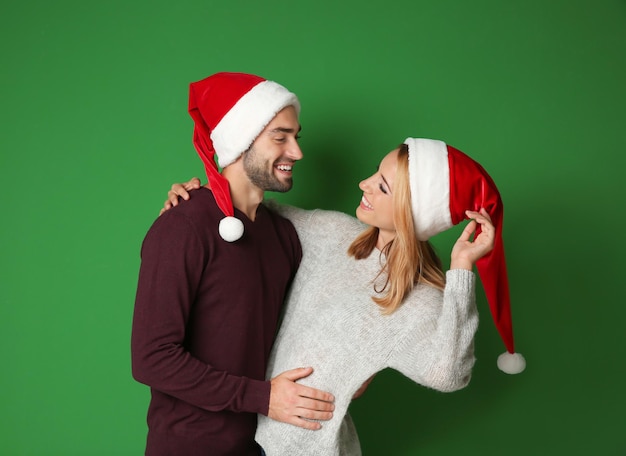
332, 324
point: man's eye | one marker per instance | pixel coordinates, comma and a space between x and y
298, 137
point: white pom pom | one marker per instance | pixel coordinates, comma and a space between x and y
511, 363
231, 229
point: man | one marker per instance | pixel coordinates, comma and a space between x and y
213, 277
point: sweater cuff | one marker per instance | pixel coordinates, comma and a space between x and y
257, 397
461, 280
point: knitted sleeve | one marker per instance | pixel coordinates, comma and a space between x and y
438, 350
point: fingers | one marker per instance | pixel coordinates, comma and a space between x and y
468, 231
306, 414
476, 240
192, 184
308, 420
298, 404
305, 391
320, 397
176, 191
481, 216
314, 409
301, 422
309, 410
484, 239
487, 230
297, 374
167, 205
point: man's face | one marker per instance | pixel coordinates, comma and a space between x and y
269, 161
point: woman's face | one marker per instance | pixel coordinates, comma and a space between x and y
376, 208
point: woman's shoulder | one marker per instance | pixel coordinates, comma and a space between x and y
336, 219
317, 221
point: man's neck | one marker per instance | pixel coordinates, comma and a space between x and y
246, 196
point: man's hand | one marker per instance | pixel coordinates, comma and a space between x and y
296, 404
181, 190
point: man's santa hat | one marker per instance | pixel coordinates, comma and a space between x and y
229, 111
444, 184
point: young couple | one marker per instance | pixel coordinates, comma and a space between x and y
360, 295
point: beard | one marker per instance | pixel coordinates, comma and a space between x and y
260, 172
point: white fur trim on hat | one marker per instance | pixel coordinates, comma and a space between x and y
241, 125
429, 176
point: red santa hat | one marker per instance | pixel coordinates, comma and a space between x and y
229, 111
444, 184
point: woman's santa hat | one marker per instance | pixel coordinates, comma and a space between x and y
444, 184
229, 111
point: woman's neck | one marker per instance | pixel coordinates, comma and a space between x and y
384, 238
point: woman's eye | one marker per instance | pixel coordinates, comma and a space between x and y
382, 188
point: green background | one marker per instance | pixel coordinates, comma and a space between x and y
94, 130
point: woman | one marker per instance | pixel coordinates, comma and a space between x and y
371, 294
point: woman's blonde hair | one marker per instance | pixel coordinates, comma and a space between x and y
409, 261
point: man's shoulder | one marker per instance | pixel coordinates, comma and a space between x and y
201, 204
194, 213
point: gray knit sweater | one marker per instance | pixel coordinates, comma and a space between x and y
332, 324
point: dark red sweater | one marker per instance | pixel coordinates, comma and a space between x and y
206, 314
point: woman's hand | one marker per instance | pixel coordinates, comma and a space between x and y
466, 252
180, 190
